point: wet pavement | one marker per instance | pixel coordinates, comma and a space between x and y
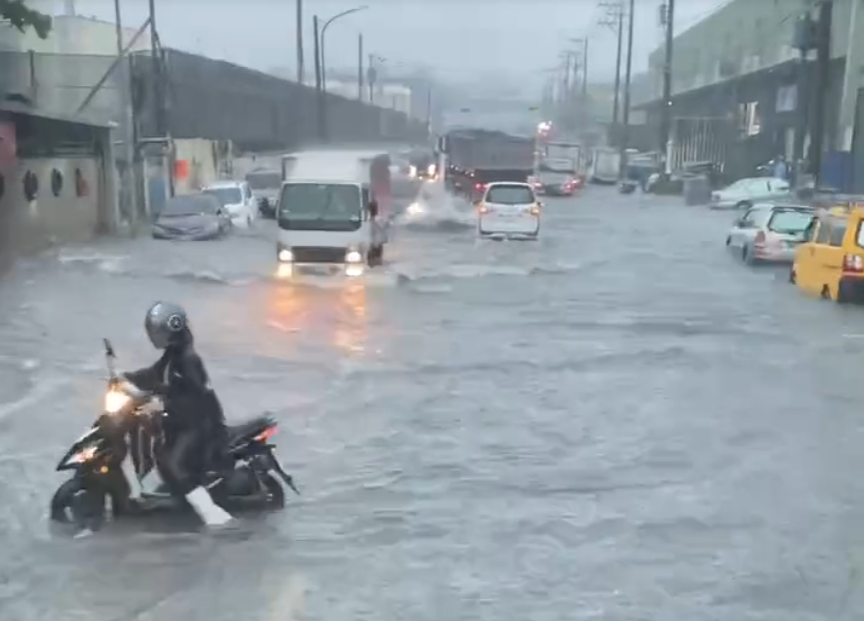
617, 422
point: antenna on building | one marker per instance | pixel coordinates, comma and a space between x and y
69, 8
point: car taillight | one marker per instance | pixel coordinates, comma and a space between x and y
853, 263
760, 239
483, 209
535, 210
479, 186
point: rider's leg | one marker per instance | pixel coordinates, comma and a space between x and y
183, 475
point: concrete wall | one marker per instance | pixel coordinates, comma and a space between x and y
57, 215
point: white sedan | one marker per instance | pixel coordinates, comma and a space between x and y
745, 193
508, 210
237, 200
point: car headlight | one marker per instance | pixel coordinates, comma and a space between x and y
352, 256
116, 401
414, 209
285, 256
430, 170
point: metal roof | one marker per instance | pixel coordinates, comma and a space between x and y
16, 107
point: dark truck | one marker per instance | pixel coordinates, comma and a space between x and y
476, 157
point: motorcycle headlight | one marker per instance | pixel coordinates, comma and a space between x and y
116, 401
352, 256
285, 256
84, 455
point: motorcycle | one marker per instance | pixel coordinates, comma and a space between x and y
126, 441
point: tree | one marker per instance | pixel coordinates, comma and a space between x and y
16, 13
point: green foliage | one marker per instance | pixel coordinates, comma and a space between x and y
16, 13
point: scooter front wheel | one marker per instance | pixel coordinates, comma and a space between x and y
76, 504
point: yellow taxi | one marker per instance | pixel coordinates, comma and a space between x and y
830, 261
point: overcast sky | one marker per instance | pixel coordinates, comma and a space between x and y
457, 38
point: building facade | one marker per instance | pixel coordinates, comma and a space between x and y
741, 92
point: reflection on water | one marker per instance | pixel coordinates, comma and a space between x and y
335, 314
351, 329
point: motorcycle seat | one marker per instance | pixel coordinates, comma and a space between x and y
249, 428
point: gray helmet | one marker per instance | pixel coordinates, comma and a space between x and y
166, 324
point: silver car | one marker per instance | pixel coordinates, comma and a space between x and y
769, 233
745, 193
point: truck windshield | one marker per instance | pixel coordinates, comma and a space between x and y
320, 207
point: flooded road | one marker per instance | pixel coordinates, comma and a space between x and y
617, 422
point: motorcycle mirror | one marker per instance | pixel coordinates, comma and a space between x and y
109, 349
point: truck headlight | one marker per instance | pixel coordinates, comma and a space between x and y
352, 256
285, 256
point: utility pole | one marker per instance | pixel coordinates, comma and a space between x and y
823, 67
360, 67
158, 90
666, 112
615, 19
625, 134
128, 186
585, 72
319, 92
301, 66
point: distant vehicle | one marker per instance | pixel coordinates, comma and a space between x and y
556, 177
265, 184
237, 199
508, 211
769, 233
330, 211
192, 217
477, 157
563, 151
744, 193
605, 166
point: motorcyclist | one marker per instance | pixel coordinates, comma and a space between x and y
195, 425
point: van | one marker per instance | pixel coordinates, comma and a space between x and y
830, 261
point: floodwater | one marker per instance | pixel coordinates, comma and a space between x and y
616, 422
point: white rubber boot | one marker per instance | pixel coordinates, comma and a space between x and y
209, 512
128, 469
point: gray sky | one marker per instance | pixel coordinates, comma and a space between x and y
458, 38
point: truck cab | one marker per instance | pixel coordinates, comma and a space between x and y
329, 215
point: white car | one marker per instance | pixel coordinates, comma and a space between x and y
769, 233
508, 210
745, 193
237, 200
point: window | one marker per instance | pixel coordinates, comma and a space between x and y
247, 192
510, 195
748, 220
778, 185
838, 232
789, 222
859, 238
823, 235
230, 195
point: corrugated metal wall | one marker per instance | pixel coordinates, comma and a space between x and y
221, 101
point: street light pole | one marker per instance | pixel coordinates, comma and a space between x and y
321, 43
301, 67
625, 134
666, 112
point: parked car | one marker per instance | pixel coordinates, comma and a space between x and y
745, 193
192, 217
237, 201
769, 232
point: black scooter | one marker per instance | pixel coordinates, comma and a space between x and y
126, 441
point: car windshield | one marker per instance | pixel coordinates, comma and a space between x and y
190, 205
510, 195
230, 195
790, 222
743, 184
328, 206
264, 180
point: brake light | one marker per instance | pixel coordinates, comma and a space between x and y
479, 186
265, 435
759, 241
853, 263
